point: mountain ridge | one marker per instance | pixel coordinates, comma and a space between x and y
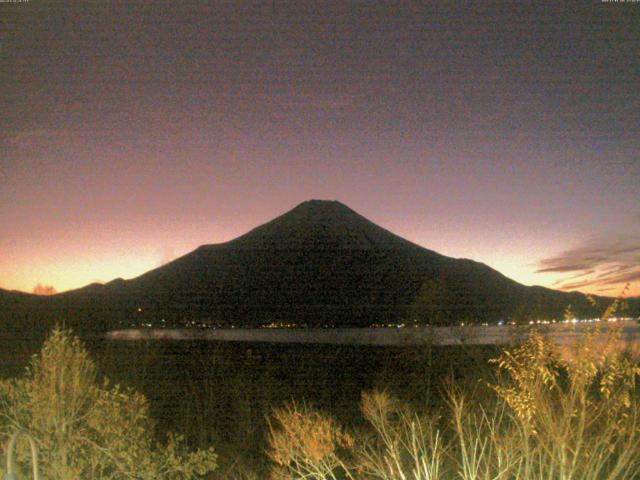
320, 263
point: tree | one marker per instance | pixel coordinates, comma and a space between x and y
85, 428
431, 303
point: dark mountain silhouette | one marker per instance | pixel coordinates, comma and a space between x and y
318, 264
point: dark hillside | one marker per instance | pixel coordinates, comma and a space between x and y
318, 264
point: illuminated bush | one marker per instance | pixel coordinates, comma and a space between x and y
404, 445
306, 443
574, 411
85, 429
555, 413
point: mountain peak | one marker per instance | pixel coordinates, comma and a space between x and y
318, 224
318, 203
322, 208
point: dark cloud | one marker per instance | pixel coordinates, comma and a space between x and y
630, 277
597, 263
41, 289
608, 289
573, 277
614, 271
575, 285
564, 268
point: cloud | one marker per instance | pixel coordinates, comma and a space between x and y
630, 277
607, 289
41, 289
614, 271
559, 268
573, 277
575, 285
598, 263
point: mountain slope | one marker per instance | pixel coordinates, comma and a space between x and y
318, 264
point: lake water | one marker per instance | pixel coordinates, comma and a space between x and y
563, 333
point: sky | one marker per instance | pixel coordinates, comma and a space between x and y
133, 132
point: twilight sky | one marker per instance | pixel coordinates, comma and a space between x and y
132, 132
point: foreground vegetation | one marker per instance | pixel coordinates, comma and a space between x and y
553, 414
86, 428
535, 411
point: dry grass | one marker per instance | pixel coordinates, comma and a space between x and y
565, 413
306, 443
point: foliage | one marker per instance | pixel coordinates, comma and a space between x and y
85, 428
306, 443
553, 412
541, 410
431, 303
405, 445
576, 409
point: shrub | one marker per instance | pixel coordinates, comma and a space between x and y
405, 445
85, 428
306, 443
554, 413
575, 411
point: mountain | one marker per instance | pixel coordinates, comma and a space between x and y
318, 264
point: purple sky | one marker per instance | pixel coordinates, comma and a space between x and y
131, 132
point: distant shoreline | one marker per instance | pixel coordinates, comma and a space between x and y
386, 336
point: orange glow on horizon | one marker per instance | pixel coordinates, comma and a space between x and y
101, 253
73, 273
